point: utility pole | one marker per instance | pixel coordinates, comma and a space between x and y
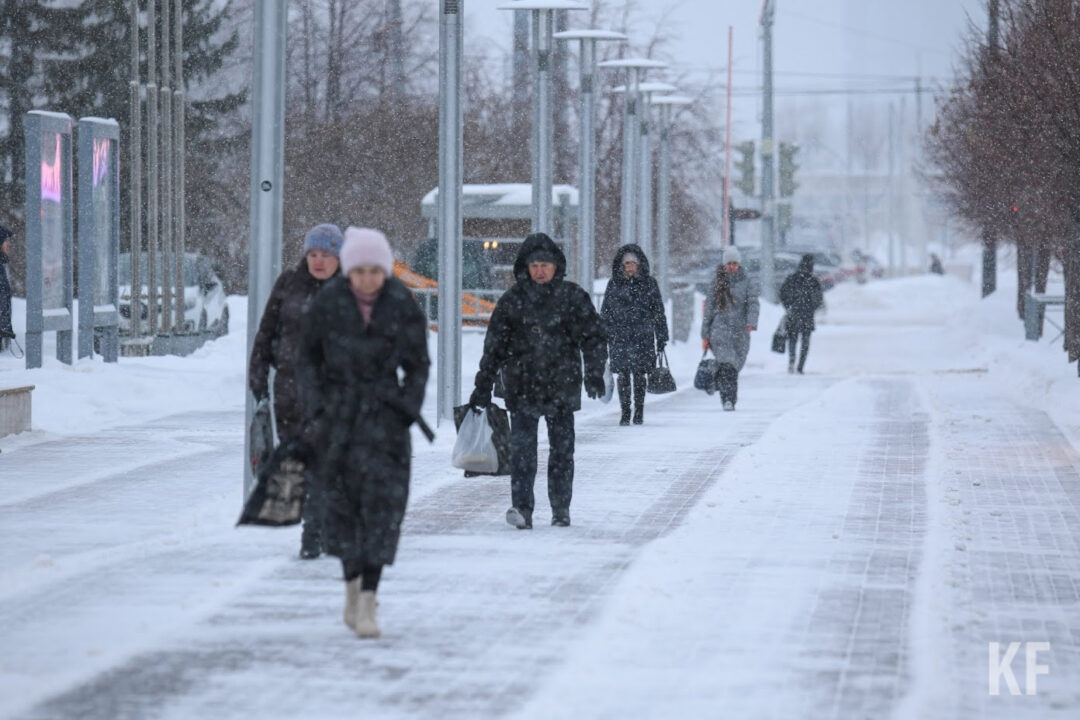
728, 237
267, 178
768, 210
451, 33
989, 235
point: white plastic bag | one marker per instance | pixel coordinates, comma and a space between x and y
474, 449
609, 383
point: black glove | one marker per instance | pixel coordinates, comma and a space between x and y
480, 399
594, 386
660, 347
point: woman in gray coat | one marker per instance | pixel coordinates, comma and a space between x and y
731, 314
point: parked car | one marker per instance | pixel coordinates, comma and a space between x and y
869, 263
205, 306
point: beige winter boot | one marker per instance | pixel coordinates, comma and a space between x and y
365, 626
352, 595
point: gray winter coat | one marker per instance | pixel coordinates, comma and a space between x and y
726, 329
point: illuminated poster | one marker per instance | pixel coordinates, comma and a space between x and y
102, 199
52, 221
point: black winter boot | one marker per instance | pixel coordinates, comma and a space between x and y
624, 398
640, 384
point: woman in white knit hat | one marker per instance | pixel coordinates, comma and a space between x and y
363, 330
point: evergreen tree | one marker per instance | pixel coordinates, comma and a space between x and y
83, 67
25, 28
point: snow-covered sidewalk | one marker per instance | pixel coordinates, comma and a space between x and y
847, 544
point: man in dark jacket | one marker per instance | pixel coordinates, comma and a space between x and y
801, 296
277, 345
539, 331
7, 333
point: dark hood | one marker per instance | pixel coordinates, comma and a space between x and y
806, 264
534, 242
617, 273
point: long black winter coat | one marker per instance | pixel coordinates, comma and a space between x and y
361, 412
277, 344
5, 293
537, 337
801, 296
633, 314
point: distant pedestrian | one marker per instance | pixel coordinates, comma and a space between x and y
7, 332
731, 314
277, 345
361, 333
801, 296
636, 326
541, 331
935, 265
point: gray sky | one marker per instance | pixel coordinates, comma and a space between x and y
867, 47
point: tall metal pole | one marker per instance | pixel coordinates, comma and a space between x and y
645, 166
179, 140
167, 272
449, 207
587, 40
645, 158
727, 143
267, 174
663, 201
135, 176
152, 179
666, 104
628, 231
768, 211
542, 30
587, 166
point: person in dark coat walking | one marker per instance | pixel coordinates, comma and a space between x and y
801, 296
360, 331
277, 345
636, 327
731, 314
7, 332
539, 332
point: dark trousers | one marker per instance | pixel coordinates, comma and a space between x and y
523, 428
727, 377
792, 338
623, 384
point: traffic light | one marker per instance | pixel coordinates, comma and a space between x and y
788, 168
745, 168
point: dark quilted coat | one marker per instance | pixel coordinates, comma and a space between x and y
633, 315
801, 296
538, 336
277, 344
361, 412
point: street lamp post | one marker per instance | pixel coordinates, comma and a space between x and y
541, 141
451, 32
645, 164
634, 67
587, 150
663, 221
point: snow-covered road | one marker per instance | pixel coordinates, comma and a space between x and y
846, 545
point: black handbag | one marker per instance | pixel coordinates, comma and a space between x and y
660, 378
779, 338
499, 421
705, 377
278, 496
